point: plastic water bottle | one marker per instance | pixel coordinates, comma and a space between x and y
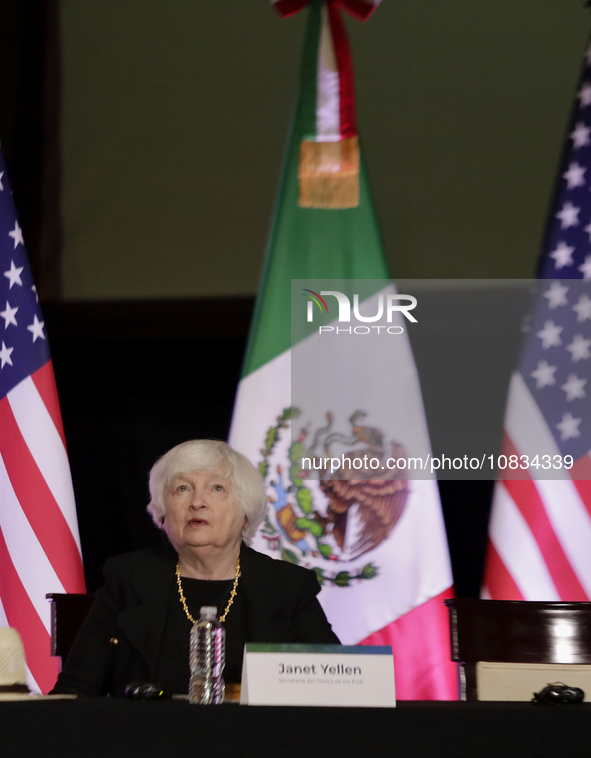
207, 658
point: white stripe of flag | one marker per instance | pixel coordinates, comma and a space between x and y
328, 114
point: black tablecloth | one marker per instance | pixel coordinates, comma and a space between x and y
112, 728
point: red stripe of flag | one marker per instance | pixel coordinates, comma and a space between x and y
21, 615
44, 380
527, 498
348, 126
423, 669
38, 504
581, 476
497, 578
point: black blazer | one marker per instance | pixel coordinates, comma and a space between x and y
119, 642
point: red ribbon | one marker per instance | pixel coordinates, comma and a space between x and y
359, 9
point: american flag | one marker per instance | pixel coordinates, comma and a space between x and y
540, 528
39, 541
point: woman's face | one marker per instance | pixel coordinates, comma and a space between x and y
201, 510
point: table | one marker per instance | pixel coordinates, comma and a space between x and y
110, 728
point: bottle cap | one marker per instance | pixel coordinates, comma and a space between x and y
209, 612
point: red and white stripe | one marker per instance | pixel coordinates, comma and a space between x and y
540, 529
335, 89
39, 540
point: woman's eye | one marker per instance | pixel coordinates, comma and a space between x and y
182, 488
218, 487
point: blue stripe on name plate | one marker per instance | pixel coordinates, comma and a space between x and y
263, 647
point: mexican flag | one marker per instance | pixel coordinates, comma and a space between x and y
376, 540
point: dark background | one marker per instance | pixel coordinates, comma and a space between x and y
135, 377
175, 114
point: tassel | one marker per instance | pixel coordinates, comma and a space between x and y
329, 174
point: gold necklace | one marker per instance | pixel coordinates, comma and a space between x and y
230, 601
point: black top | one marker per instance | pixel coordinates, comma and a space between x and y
122, 639
172, 671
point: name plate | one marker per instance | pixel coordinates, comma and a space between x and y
331, 675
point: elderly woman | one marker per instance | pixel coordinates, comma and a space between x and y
209, 500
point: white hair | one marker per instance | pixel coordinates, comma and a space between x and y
202, 456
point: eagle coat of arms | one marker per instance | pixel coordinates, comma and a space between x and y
319, 516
